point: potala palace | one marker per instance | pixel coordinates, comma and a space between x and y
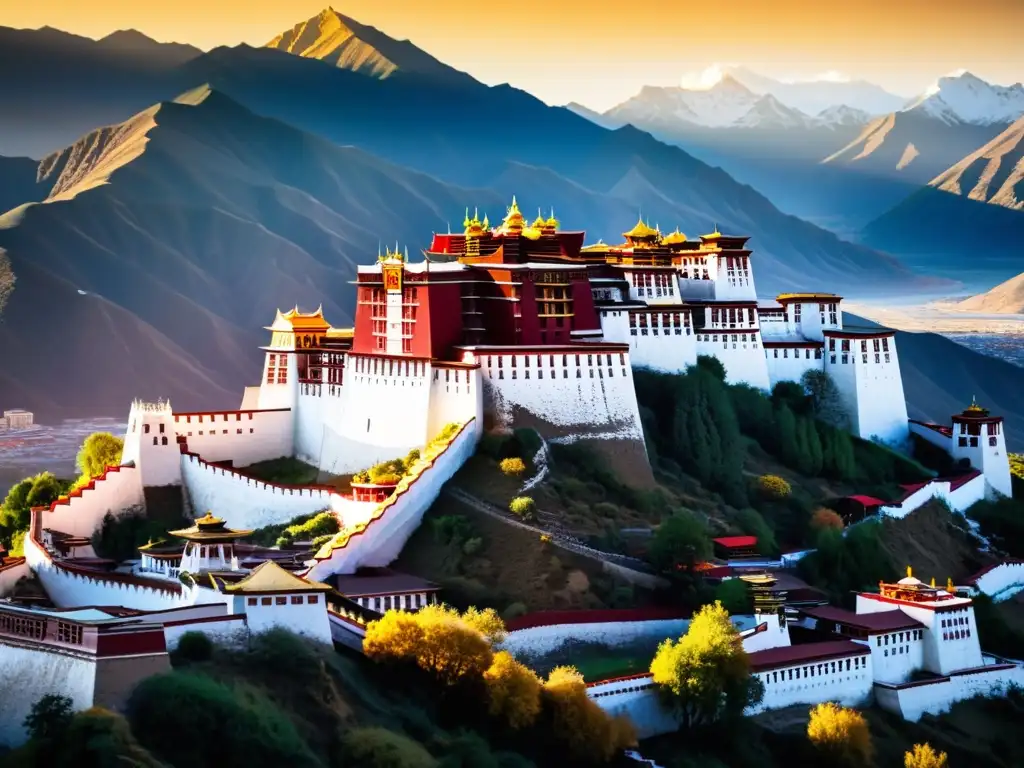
519, 325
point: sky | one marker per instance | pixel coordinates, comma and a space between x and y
601, 52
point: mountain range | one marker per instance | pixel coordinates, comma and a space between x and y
148, 251
1005, 298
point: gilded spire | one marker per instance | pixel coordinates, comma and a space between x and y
539, 222
910, 572
486, 223
465, 223
933, 582
949, 585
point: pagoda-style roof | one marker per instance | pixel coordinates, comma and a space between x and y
973, 411
294, 320
270, 578
674, 238
641, 230
209, 528
341, 333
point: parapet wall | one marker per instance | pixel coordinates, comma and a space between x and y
1000, 582
380, 540
958, 493
933, 697
242, 437
81, 512
536, 637
11, 571
243, 501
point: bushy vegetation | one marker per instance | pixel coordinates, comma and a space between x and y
524, 507
773, 487
388, 472
99, 451
15, 513
704, 676
316, 526
1002, 520
679, 543
841, 735
923, 756
842, 564
285, 470
455, 651
120, 537
514, 466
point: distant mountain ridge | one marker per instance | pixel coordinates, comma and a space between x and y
1005, 298
966, 98
992, 174
813, 97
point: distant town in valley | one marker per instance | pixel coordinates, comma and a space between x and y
362, 410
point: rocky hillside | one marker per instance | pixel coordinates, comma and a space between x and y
1005, 298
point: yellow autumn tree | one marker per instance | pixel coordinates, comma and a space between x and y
705, 674
487, 622
923, 756
586, 730
513, 691
437, 638
841, 734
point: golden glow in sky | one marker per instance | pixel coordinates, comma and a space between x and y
601, 52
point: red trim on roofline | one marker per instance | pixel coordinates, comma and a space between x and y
731, 542
974, 578
600, 616
638, 676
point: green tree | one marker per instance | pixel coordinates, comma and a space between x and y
734, 595
680, 542
705, 675
788, 441
99, 451
712, 365
15, 513
98, 737
49, 717
810, 455
826, 402
376, 747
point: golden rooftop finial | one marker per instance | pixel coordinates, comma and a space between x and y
933, 582
910, 572
949, 585
486, 223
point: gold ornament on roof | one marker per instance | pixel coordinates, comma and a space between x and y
513, 220
949, 585
552, 222
910, 572
673, 238
974, 407
641, 230
539, 222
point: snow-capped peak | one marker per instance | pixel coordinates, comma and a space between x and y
965, 98
841, 114
769, 112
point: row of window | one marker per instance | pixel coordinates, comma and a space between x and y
733, 316
901, 650
639, 686
551, 360
814, 670
846, 359
553, 375
211, 416
209, 432
796, 354
654, 331
975, 429
915, 634
283, 600
662, 319
277, 369
394, 602
740, 337
878, 345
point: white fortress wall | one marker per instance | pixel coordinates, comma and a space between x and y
456, 396
740, 351
319, 406
244, 502
913, 700
849, 687
382, 539
384, 413
932, 436
241, 437
304, 614
536, 641
229, 630
959, 499
578, 388
81, 513
660, 340
637, 699
1002, 581
28, 674
791, 363
870, 385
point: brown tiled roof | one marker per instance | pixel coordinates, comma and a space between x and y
790, 655
384, 582
881, 621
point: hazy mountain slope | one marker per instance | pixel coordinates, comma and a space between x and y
55, 86
337, 39
468, 134
912, 145
17, 182
207, 219
993, 174
1005, 298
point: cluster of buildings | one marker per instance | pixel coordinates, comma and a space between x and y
515, 325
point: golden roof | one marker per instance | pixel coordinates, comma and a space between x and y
474, 226
539, 222
552, 222
303, 321
599, 247
974, 407
268, 576
341, 333
813, 296
530, 233
674, 237
641, 229
514, 218
209, 528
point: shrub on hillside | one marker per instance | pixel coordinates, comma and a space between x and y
712, 365
49, 716
224, 725
513, 467
825, 519
578, 724
773, 487
37, 491
524, 507
679, 543
734, 595
841, 735
514, 610
752, 523
96, 737
322, 524
99, 451
376, 747
194, 646
513, 691
923, 756
120, 537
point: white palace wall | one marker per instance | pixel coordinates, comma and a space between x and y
958, 499
537, 641
871, 388
589, 391
455, 398
27, 674
384, 413
849, 687
742, 354
296, 614
318, 406
244, 502
913, 700
117, 490
652, 344
1000, 582
229, 630
241, 437
791, 363
381, 540
10, 575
